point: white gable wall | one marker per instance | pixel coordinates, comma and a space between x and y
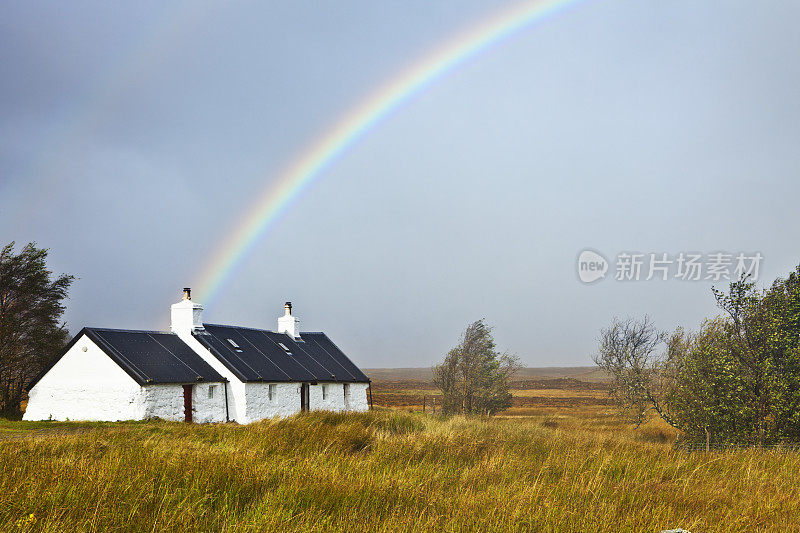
85, 384
88, 385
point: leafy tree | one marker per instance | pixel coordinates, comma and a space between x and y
692, 381
747, 330
474, 376
781, 318
31, 333
705, 395
735, 381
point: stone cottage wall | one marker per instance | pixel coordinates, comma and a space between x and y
85, 385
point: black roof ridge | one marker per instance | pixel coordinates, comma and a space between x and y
238, 327
166, 332
261, 329
156, 332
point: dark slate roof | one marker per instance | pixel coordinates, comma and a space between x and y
257, 355
149, 357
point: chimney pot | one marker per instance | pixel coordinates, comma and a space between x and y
187, 316
289, 324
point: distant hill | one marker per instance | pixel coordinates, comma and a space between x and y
581, 373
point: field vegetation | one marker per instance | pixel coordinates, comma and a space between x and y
539, 468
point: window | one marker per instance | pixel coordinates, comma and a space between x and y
285, 348
346, 387
211, 390
273, 392
324, 392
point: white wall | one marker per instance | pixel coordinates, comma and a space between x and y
88, 385
165, 401
333, 401
358, 397
287, 399
208, 409
85, 385
285, 403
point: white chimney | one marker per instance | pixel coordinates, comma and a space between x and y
187, 316
289, 324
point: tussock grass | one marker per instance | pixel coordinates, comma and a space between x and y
387, 471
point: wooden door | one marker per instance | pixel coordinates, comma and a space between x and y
304, 397
187, 402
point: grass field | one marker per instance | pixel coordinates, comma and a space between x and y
583, 373
539, 468
411, 394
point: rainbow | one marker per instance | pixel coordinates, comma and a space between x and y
302, 172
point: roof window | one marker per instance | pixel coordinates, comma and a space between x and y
285, 348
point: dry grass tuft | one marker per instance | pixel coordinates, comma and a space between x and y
579, 470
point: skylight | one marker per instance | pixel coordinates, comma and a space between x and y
235, 346
285, 349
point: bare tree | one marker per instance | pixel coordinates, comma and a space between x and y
629, 352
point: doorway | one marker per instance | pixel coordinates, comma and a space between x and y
346, 387
304, 397
187, 402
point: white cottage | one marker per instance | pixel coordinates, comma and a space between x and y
198, 373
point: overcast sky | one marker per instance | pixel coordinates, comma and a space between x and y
133, 137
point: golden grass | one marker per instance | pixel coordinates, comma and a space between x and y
517, 393
554, 470
559, 393
411, 398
